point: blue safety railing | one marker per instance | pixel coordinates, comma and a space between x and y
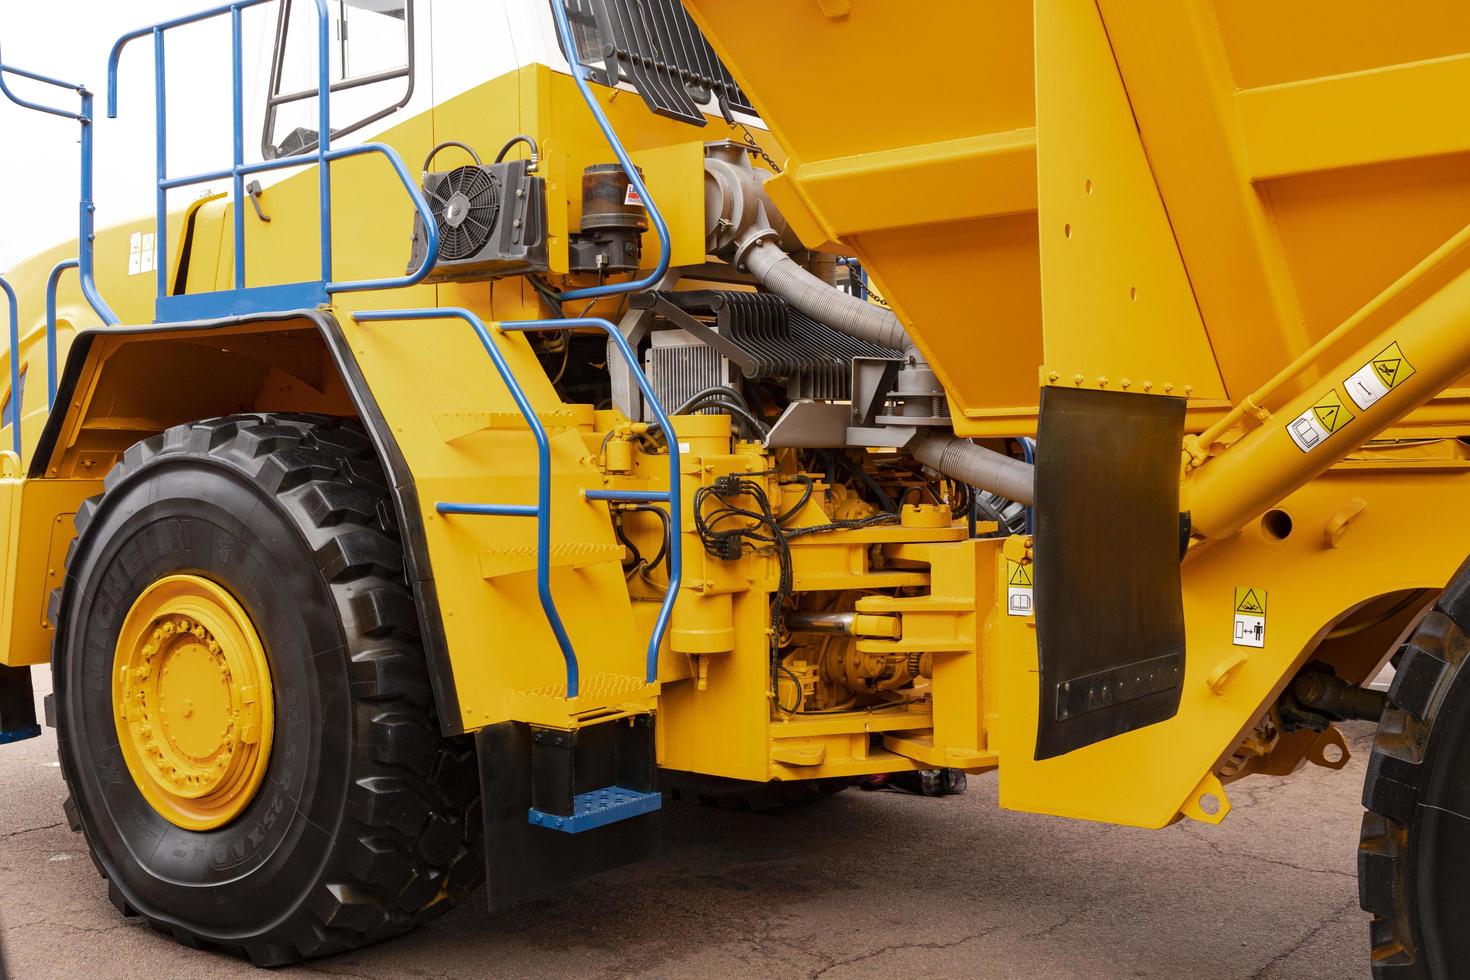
86, 209
579, 73
541, 510
261, 298
14, 363
86, 234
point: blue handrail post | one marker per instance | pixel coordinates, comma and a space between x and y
579, 74
542, 510
51, 284
86, 209
160, 137
14, 364
674, 495
237, 104
322, 156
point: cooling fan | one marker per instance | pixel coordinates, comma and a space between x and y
465, 203
491, 221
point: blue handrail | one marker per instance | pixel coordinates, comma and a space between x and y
51, 284
239, 169
14, 364
579, 73
86, 209
541, 510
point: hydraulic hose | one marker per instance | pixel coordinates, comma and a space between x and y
779, 273
962, 460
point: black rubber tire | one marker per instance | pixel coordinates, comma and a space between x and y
367, 823
1414, 853
742, 794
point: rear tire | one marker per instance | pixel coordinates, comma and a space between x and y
1414, 854
366, 823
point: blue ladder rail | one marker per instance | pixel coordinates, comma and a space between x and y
275, 298
86, 234
14, 363
541, 510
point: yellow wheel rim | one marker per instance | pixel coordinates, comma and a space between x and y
191, 695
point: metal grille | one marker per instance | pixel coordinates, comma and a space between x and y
680, 367
813, 360
655, 46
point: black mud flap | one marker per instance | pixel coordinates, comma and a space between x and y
523, 767
1109, 612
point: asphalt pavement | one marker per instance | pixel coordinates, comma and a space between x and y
859, 885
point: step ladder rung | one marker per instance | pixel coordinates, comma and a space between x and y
495, 562
598, 808
457, 425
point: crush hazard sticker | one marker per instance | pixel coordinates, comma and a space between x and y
1311, 428
1250, 617
1378, 377
1018, 589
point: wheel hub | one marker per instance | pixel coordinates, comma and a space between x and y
192, 702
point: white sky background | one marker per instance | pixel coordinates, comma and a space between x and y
70, 40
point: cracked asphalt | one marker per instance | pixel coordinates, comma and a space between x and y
860, 885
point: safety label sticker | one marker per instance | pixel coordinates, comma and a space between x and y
1378, 377
1309, 429
1018, 589
1250, 617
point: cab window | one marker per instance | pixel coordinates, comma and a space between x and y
372, 70
7, 407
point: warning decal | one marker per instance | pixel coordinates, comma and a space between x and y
1309, 429
1250, 617
1378, 377
1018, 589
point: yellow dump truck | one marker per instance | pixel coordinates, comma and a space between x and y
741, 401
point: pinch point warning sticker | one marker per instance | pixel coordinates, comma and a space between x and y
1250, 617
1019, 582
1311, 428
1378, 377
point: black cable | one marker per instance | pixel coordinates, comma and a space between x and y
755, 426
724, 391
446, 145
800, 694
806, 495
663, 548
520, 138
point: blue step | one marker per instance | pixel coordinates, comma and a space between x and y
19, 734
599, 808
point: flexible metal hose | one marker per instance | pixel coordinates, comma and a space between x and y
962, 460
959, 459
779, 273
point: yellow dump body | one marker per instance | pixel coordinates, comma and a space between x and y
1131, 194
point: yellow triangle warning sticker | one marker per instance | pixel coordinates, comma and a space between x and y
1018, 575
1251, 602
1391, 367
1331, 413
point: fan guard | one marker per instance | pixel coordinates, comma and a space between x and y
465, 203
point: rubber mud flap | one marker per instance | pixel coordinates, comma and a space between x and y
1109, 611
